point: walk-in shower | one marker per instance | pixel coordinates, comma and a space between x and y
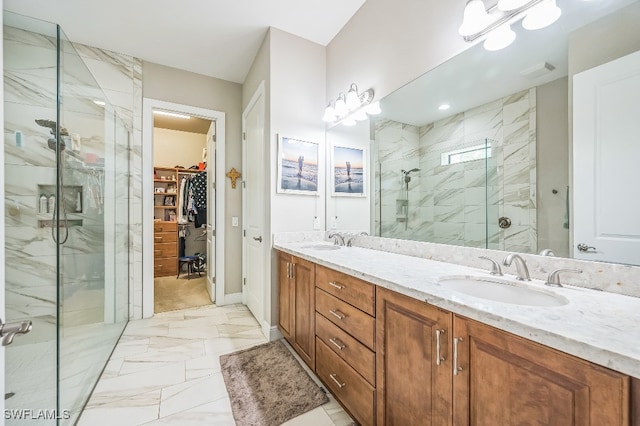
66, 176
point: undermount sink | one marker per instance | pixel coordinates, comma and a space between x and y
321, 247
502, 291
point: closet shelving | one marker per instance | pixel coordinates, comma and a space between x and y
166, 191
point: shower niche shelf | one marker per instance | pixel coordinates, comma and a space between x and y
73, 198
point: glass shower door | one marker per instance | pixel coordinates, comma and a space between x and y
30, 104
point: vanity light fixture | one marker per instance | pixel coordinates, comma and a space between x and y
352, 107
496, 22
171, 114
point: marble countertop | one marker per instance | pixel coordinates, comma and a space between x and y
598, 326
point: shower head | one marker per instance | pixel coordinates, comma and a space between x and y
410, 171
52, 126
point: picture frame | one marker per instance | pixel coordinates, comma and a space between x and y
348, 171
169, 200
298, 166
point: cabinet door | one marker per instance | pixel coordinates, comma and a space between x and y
506, 380
304, 310
285, 289
412, 387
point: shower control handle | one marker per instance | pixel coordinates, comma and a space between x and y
8, 331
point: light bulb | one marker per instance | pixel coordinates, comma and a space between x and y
542, 15
353, 101
329, 114
511, 4
373, 108
500, 38
475, 18
340, 107
361, 115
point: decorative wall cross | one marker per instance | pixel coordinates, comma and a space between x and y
233, 175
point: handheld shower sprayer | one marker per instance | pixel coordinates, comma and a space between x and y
57, 147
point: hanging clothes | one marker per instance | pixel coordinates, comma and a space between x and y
182, 214
199, 188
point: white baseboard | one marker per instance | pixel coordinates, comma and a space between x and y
230, 299
271, 332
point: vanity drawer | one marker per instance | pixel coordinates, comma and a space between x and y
165, 266
352, 290
346, 347
345, 383
165, 226
352, 320
165, 250
165, 237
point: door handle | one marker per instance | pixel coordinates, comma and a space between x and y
584, 247
9, 331
258, 239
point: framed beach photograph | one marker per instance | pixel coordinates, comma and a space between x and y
297, 166
348, 171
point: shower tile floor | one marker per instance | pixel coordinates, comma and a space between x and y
166, 370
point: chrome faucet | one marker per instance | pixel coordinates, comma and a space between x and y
338, 239
547, 252
521, 266
495, 266
554, 277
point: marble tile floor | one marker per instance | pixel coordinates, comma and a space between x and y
166, 370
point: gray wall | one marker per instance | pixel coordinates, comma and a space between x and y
553, 166
386, 44
183, 87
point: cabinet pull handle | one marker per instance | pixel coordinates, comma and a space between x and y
337, 314
288, 270
338, 286
333, 377
456, 369
158, 238
293, 270
439, 358
337, 343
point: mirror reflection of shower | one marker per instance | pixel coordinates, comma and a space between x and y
405, 203
57, 147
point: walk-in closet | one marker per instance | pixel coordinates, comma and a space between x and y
180, 210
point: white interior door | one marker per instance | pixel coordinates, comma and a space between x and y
211, 211
606, 162
253, 211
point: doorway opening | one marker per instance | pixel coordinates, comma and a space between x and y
180, 167
183, 213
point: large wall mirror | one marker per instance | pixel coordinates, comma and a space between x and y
480, 150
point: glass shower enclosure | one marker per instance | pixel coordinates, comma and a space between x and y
66, 224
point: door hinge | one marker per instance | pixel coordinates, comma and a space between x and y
244, 281
213, 233
244, 184
244, 136
215, 138
244, 232
213, 280
213, 185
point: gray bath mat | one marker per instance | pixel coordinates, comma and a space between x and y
267, 386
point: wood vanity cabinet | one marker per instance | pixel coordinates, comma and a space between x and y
485, 376
296, 298
503, 379
346, 341
413, 387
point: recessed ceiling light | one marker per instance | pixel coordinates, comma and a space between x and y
171, 114
101, 103
444, 107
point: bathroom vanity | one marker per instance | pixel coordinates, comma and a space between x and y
395, 345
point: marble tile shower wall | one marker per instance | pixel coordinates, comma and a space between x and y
120, 77
447, 203
30, 78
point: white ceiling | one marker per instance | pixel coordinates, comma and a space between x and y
218, 38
